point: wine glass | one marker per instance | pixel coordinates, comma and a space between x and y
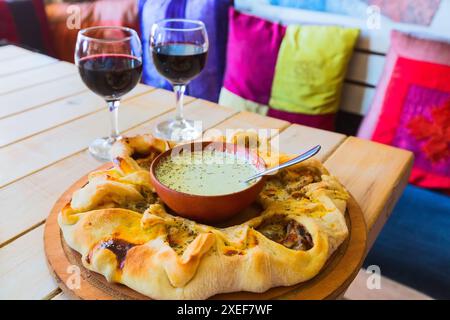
109, 61
179, 50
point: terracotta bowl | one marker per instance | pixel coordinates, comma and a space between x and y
209, 209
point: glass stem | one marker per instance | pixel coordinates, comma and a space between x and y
113, 106
179, 93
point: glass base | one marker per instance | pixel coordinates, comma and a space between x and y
100, 148
177, 130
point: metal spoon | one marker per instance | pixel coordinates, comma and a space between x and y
304, 156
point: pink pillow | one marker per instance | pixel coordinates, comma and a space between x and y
320, 121
252, 51
407, 46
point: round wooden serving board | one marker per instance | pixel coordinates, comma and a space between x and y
330, 283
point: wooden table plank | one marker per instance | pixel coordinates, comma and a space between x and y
39, 95
11, 51
375, 174
23, 269
390, 289
211, 114
51, 115
62, 296
40, 190
297, 139
37, 76
24, 62
24, 124
47, 147
248, 121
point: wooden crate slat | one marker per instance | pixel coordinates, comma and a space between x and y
35, 96
365, 68
37, 76
376, 177
356, 98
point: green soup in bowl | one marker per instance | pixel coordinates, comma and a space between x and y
204, 181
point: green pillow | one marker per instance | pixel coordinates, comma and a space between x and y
311, 67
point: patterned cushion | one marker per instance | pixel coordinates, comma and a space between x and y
415, 115
408, 46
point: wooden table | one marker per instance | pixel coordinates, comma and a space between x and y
48, 118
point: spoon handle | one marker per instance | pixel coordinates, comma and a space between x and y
304, 156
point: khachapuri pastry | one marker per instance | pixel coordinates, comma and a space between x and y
124, 232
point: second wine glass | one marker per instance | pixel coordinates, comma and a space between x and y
179, 50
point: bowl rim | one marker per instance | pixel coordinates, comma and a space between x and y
204, 144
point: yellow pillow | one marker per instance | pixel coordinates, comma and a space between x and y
229, 99
311, 67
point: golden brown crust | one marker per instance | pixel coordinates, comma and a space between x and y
124, 232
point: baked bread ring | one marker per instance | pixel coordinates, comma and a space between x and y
124, 232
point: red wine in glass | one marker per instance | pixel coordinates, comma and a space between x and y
109, 60
110, 75
179, 51
179, 62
